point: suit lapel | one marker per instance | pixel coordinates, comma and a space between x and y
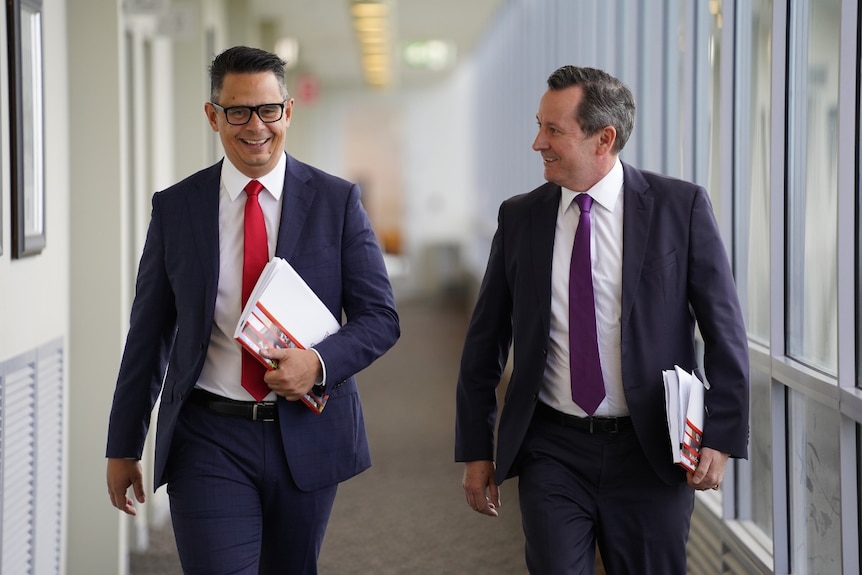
297, 197
202, 202
637, 220
543, 220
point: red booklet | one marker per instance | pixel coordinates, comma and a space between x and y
281, 298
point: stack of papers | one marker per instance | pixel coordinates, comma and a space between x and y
281, 312
684, 401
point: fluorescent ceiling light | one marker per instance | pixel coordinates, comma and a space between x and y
366, 9
371, 22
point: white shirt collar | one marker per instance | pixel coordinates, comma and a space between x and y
606, 191
235, 181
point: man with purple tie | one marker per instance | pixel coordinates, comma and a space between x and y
583, 424
251, 471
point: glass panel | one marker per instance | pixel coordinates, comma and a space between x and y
714, 54
752, 153
751, 242
814, 487
760, 452
683, 140
812, 310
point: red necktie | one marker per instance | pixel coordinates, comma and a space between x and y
588, 386
255, 257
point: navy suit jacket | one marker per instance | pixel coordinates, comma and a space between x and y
326, 236
675, 270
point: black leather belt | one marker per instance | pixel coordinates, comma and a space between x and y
588, 424
253, 410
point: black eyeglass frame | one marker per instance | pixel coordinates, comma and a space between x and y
251, 110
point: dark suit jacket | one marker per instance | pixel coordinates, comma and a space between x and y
675, 271
326, 236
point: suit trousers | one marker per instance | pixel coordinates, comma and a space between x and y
235, 508
578, 489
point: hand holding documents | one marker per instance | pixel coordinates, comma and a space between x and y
283, 312
684, 401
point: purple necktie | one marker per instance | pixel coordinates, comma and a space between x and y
588, 387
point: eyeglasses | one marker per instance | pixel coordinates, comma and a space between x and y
240, 115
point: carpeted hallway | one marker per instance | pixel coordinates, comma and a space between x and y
407, 514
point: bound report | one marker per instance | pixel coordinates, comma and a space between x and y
282, 312
684, 401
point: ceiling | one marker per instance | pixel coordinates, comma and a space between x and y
328, 47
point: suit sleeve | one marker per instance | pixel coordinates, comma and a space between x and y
372, 325
714, 300
486, 350
151, 333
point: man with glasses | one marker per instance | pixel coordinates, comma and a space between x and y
251, 472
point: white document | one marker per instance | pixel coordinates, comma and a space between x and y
282, 311
684, 402
671, 401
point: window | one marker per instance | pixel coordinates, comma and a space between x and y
752, 159
814, 486
752, 151
812, 306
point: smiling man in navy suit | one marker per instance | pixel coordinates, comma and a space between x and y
251, 477
597, 467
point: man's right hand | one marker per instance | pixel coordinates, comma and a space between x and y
121, 474
483, 495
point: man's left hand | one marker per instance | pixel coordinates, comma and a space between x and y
298, 371
710, 470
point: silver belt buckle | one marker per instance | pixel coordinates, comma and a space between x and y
254, 416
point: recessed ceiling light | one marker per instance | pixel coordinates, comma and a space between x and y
372, 25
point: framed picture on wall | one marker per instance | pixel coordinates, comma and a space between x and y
26, 111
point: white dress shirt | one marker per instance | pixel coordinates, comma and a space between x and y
606, 243
222, 369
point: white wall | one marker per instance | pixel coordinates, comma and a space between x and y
99, 284
439, 162
440, 180
31, 295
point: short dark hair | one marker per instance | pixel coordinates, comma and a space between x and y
606, 101
244, 60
